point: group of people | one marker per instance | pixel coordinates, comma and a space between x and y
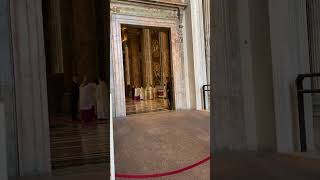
90, 98
149, 93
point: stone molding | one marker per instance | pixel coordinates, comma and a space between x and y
163, 3
143, 11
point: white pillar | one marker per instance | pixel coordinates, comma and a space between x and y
207, 33
31, 87
117, 83
228, 125
290, 57
199, 53
3, 147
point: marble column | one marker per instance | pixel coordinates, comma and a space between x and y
199, 53
54, 33
127, 64
29, 60
206, 18
135, 61
147, 58
227, 101
165, 56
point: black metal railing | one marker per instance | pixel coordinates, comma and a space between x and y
301, 91
205, 88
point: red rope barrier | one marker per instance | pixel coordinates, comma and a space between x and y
128, 176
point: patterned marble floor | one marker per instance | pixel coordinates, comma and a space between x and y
74, 144
145, 106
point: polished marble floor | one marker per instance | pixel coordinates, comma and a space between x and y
159, 142
145, 106
75, 144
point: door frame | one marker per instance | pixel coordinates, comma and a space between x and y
117, 71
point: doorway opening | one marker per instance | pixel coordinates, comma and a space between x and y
75, 44
147, 69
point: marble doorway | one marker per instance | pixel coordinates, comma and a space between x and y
171, 23
147, 69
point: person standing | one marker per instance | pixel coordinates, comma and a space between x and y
74, 98
169, 93
86, 102
92, 99
102, 98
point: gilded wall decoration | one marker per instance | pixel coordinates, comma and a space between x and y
155, 48
156, 73
156, 67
